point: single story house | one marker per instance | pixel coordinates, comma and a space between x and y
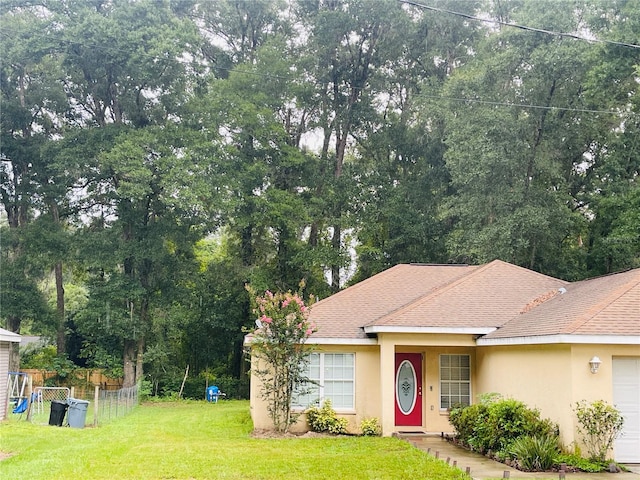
6, 339
409, 343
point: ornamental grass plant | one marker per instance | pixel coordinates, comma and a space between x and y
535, 453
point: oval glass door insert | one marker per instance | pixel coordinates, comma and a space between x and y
406, 392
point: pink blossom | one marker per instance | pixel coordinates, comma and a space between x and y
300, 326
303, 308
266, 319
285, 303
309, 332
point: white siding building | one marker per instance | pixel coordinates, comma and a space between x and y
6, 339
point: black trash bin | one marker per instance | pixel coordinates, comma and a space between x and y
58, 409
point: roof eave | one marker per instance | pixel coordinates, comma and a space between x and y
562, 338
342, 341
7, 336
248, 340
375, 329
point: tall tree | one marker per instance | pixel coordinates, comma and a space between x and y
400, 162
237, 29
613, 168
32, 104
345, 50
515, 146
129, 69
150, 193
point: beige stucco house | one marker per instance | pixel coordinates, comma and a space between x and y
405, 345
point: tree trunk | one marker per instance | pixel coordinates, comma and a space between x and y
246, 245
13, 324
129, 362
60, 331
336, 243
140, 360
61, 346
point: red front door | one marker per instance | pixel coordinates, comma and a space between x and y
408, 387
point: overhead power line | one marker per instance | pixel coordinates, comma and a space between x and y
253, 73
518, 105
521, 27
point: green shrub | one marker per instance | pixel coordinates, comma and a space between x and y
599, 424
324, 419
39, 357
535, 453
495, 423
583, 464
146, 388
465, 421
370, 427
339, 427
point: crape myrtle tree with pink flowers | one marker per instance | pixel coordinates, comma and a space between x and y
280, 355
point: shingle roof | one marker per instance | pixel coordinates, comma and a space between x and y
447, 296
486, 297
516, 302
344, 314
7, 336
608, 305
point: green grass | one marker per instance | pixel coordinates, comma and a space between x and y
198, 440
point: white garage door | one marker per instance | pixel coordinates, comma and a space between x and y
626, 398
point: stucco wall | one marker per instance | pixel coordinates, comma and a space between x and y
375, 378
367, 388
551, 378
434, 419
539, 375
431, 346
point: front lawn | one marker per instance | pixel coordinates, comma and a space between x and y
198, 440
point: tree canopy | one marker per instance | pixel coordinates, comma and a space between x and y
158, 156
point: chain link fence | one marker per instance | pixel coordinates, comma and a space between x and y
105, 405
113, 404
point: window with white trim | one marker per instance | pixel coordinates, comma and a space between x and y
333, 375
455, 381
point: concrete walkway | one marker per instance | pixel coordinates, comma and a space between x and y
482, 468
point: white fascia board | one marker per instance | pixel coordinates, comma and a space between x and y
402, 329
342, 341
248, 339
562, 338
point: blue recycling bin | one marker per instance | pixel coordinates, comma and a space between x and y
77, 412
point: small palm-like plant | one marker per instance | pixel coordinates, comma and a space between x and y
535, 454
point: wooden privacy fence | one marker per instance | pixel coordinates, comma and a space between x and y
83, 379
